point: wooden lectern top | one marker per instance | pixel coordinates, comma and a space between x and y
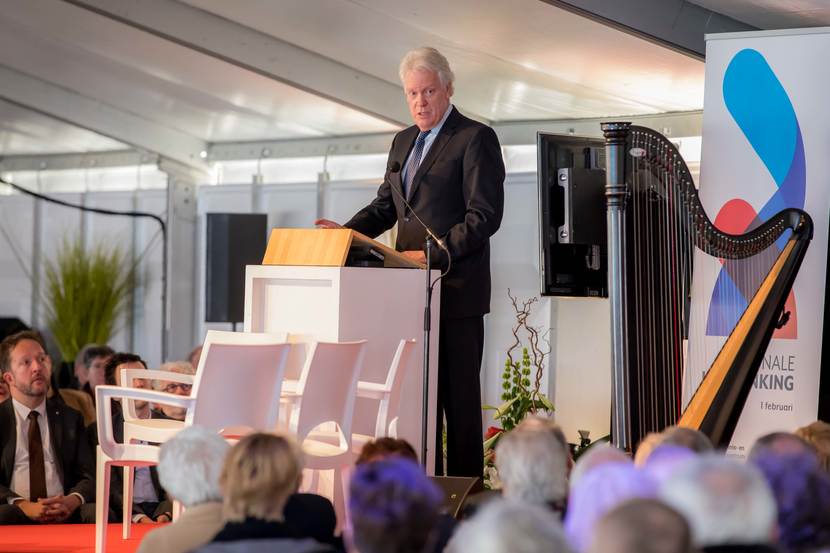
328, 248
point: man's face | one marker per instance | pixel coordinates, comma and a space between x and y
96, 372
426, 97
142, 383
30, 371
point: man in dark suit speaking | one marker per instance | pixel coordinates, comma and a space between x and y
450, 169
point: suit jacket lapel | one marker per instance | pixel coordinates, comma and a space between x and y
435, 150
8, 431
400, 154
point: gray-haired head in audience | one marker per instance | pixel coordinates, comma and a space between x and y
533, 466
641, 526
599, 491
190, 464
598, 454
507, 526
724, 501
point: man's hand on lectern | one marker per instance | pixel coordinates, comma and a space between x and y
416, 255
325, 223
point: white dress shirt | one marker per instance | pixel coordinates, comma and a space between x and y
20, 475
430, 138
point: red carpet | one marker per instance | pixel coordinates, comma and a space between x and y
68, 538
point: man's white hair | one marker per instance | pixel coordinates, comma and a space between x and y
190, 464
505, 526
429, 59
181, 367
532, 466
724, 501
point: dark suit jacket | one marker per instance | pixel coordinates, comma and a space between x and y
458, 191
75, 463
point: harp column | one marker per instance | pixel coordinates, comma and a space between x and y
616, 193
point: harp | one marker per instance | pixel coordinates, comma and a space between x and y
657, 228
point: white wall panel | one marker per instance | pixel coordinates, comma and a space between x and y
16, 233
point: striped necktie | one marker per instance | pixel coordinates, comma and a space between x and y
414, 162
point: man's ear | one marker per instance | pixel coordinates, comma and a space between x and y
450, 90
7, 377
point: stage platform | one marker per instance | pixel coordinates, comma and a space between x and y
68, 538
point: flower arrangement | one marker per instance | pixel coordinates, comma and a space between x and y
521, 383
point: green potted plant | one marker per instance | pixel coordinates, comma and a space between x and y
87, 293
521, 381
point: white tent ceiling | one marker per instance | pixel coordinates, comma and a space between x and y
177, 77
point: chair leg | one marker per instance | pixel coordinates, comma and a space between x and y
102, 500
339, 499
127, 507
177, 509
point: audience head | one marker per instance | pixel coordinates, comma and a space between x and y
118, 361
121, 360
780, 443
665, 460
178, 388
693, 439
645, 447
599, 491
533, 466
194, 356
725, 502
641, 526
26, 367
95, 360
81, 373
260, 473
536, 422
384, 448
505, 526
393, 505
597, 455
802, 495
817, 434
190, 464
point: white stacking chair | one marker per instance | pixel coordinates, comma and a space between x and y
237, 386
325, 394
388, 394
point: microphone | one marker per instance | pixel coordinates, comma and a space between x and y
395, 167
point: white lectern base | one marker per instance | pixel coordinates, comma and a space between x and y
341, 304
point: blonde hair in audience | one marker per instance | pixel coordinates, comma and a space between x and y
818, 435
259, 475
647, 445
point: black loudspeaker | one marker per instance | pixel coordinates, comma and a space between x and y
11, 325
456, 491
572, 218
233, 241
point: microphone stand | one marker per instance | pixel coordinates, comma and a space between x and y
427, 328
394, 167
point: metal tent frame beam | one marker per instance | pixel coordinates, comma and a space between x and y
258, 52
676, 24
90, 114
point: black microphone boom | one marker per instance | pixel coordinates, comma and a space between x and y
394, 167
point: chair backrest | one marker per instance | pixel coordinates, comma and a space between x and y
238, 381
301, 344
388, 410
328, 386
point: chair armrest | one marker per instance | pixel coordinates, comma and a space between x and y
372, 390
103, 407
